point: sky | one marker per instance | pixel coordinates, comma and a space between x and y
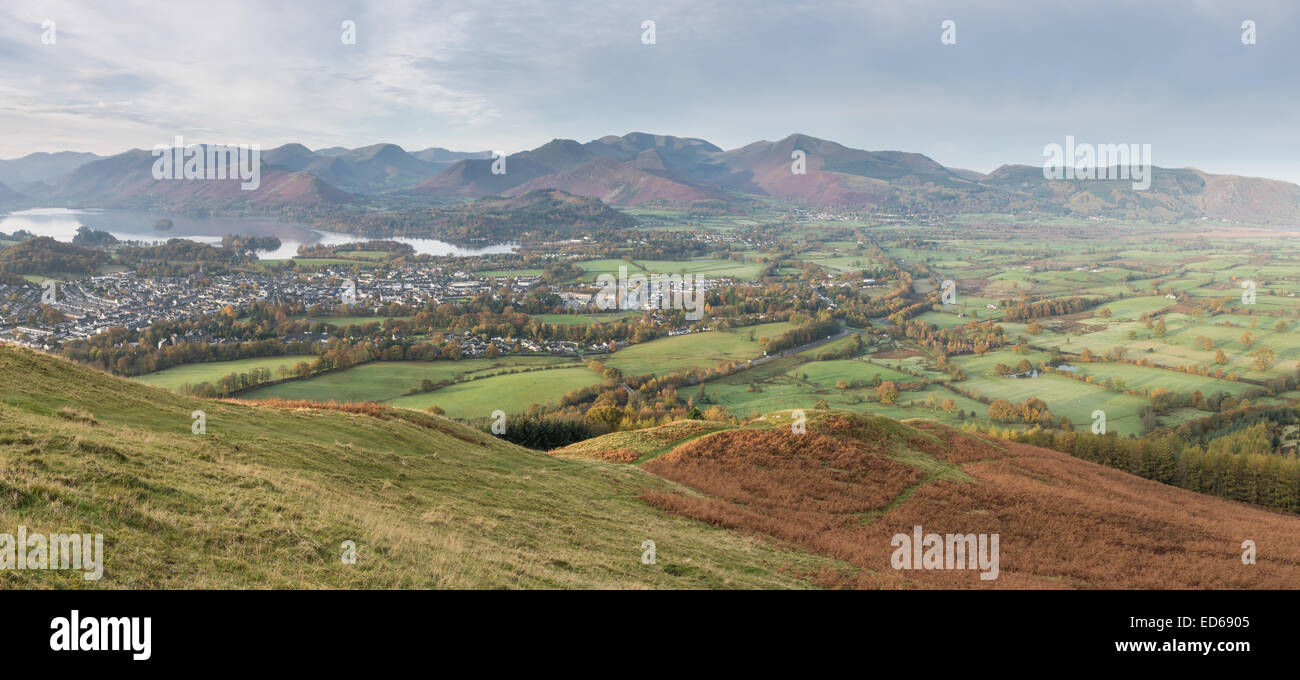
505, 75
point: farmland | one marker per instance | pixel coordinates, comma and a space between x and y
708, 267
390, 380
211, 372
695, 351
1145, 324
512, 393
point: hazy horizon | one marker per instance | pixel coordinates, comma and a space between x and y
510, 76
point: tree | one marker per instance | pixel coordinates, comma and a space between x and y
1264, 358
887, 393
718, 413
1219, 357
1002, 411
609, 416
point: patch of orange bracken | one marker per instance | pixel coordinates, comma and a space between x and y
366, 408
1062, 522
616, 455
799, 488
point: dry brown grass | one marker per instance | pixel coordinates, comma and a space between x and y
1062, 522
1068, 522
959, 447
617, 455
642, 442
78, 415
800, 488
369, 408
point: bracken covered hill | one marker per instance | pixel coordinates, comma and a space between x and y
851, 482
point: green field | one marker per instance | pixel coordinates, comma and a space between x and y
709, 268
975, 365
1179, 345
593, 268
694, 351
193, 374
580, 319
1067, 397
342, 321
789, 393
509, 273
706, 267
827, 373
512, 393
388, 380
1148, 378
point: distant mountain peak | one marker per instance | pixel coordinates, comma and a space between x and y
637, 168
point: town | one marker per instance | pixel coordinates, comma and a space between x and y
42, 317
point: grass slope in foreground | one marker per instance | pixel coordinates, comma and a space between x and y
267, 495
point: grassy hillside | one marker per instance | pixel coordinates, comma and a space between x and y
265, 498
267, 495
852, 481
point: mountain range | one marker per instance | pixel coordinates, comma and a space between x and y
638, 169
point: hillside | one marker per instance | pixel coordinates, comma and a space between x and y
126, 180
492, 218
473, 178
267, 495
42, 167
369, 169
1174, 194
853, 481
7, 194
638, 169
617, 184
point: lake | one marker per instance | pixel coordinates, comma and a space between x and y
61, 224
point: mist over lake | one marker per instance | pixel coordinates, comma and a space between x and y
61, 224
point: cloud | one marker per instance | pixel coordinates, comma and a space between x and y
510, 75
